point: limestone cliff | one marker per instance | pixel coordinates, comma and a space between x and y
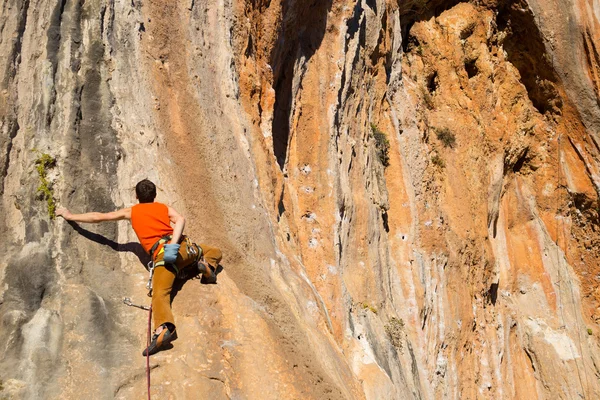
405, 192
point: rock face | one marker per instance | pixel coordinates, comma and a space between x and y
406, 194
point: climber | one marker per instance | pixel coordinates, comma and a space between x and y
171, 252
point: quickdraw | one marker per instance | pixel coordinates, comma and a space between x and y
150, 276
127, 302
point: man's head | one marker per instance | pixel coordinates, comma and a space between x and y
145, 191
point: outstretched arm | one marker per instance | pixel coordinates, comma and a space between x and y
94, 217
179, 222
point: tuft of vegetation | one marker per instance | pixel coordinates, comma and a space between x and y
427, 98
43, 163
382, 144
368, 307
395, 330
590, 332
417, 7
446, 136
438, 161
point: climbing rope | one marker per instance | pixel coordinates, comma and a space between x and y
127, 301
147, 352
560, 264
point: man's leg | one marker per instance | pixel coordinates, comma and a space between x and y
164, 326
212, 256
162, 284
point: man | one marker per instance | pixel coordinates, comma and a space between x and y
170, 250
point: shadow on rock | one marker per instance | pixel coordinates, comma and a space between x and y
131, 247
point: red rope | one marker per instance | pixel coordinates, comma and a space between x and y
147, 350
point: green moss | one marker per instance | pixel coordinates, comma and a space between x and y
382, 144
43, 163
368, 307
446, 136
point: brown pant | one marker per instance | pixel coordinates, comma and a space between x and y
162, 282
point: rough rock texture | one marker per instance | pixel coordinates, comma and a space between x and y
464, 265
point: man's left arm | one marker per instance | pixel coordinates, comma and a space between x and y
94, 217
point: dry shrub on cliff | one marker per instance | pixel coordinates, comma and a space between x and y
446, 136
438, 161
419, 50
427, 99
395, 330
382, 144
415, 7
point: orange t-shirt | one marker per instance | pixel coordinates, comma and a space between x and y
150, 221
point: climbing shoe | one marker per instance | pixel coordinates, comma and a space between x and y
203, 267
160, 340
212, 278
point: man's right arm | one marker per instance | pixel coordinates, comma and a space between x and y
179, 221
95, 217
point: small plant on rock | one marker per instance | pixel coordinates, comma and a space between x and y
446, 136
382, 144
395, 330
427, 99
368, 307
438, 161
43, 163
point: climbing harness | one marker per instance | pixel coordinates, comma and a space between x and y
159, 242
192, 250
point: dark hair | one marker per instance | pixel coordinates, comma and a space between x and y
145, 191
